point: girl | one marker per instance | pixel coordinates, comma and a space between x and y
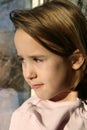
51, 42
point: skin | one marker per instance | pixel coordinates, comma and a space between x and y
47, 73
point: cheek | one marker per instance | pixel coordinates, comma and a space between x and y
55, 74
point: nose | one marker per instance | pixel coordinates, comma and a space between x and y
31, 76
29, 72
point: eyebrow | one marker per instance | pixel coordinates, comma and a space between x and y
40, 56
33, 56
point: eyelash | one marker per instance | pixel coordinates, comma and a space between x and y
37, 60
20, 59
34, 59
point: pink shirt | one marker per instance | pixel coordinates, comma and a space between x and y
37, 114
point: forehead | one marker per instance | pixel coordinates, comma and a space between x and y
26, 44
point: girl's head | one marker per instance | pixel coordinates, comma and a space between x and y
59, 27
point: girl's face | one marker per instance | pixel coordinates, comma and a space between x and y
45, 72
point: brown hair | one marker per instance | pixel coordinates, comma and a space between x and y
60, 27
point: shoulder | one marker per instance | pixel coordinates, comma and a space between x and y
25, 117
83, 113
26, 107
78, 117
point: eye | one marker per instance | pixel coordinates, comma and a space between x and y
37, 59
21, 60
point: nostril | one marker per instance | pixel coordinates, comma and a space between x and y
31, 76
29, 72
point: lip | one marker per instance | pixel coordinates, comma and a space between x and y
36, 86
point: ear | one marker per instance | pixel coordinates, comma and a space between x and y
77, 59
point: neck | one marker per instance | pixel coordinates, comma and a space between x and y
71, 96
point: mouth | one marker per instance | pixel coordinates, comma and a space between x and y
36, 86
